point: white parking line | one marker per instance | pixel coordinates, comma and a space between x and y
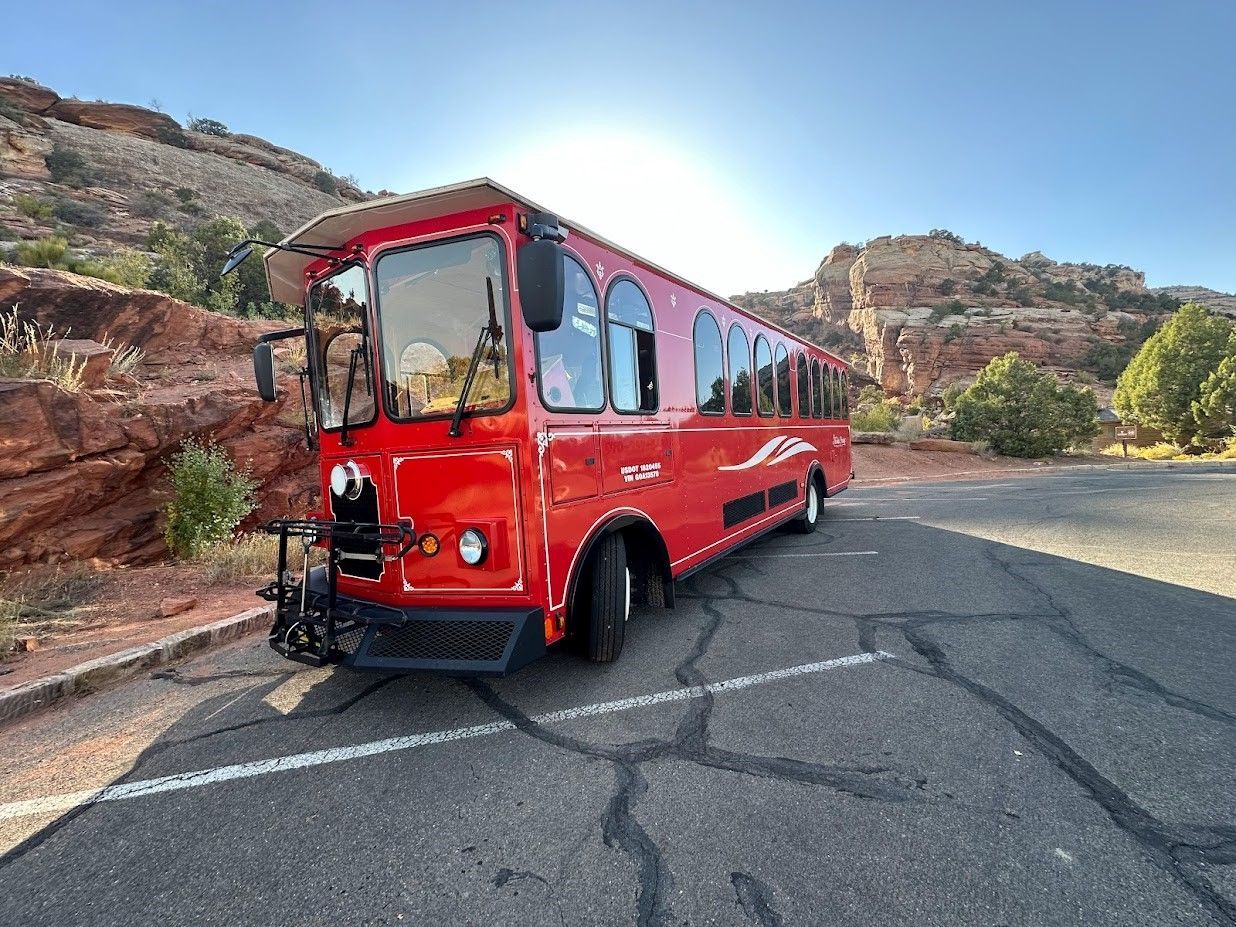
190, 780
835, 553
878, 518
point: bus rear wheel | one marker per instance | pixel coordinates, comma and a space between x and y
811, 514
609, 599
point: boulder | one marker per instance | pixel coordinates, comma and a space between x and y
95, 358
32, 97
942, 444
115, 117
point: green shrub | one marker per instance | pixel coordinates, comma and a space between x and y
75, 212
1024, 412
954, 332
125, 268
209, 499
1164, 381
947, 286
172, 135
34, 207
207, 126
43, 252
944, 310
67, 166
149, 205
325, 182
882, 417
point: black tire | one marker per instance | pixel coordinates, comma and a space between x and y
608, 600
811, 512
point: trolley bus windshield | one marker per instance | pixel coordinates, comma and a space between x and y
433, 300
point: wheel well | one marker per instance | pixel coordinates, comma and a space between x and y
647, 559
817, 473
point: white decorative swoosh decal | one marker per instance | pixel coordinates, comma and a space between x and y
783, 447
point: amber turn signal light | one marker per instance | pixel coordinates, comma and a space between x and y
429, 544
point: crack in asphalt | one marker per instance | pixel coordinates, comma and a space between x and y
1064, 625
1181, 852
755, 899
1157, 839
690, 743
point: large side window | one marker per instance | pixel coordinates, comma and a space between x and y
569, 357
836, 392
784, 405
739, 350
709, 369
827, 371
804, 387
845, 395
764, 378
632, 348
817, 403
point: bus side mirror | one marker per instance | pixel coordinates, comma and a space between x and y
264, 370
541, 284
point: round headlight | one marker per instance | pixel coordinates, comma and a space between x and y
472, 546
345, 480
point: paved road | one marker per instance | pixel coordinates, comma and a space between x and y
988, 703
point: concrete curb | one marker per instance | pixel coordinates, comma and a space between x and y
87, 677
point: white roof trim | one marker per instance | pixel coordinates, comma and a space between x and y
285, 270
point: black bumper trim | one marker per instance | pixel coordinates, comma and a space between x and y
367, 635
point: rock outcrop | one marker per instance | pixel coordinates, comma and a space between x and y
142, 167
920, 312
83, 475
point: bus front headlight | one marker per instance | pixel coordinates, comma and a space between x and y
345, 480
473, 547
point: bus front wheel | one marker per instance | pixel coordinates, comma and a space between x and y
609, 599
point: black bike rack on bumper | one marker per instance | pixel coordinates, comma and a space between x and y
315, 624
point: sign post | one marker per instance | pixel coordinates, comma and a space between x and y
1125, 434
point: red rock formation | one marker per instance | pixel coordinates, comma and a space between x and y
83, 475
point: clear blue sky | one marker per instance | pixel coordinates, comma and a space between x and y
733, 143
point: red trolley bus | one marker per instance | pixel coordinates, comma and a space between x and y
524, 429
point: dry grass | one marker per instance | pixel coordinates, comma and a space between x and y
36, 605
125, 357
253, 556
28, 352
248, 557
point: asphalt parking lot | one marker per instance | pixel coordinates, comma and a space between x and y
1005, 702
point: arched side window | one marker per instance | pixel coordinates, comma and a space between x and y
817, 404
631, 341
569, 357
827, 376
739, 350
709, 369
765, 380
836, 392
784, 406
804, 387
845, 395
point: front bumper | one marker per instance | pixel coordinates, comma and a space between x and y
315, 624
366, 635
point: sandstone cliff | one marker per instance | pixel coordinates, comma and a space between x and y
919, 312
82, 475
142, 167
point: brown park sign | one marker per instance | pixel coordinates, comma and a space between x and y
1126, 432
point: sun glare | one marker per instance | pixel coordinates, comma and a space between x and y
663, 203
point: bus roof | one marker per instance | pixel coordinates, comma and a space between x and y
285, 270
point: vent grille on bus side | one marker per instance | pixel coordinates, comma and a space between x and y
782, 493
444, 640
739, 510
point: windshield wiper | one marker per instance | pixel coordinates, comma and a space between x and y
491, 332
357, 353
